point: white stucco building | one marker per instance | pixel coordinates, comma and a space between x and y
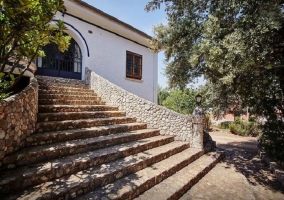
113, 49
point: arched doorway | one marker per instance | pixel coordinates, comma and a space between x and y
57, 64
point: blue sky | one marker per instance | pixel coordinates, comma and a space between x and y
132, 12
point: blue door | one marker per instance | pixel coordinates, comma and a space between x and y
66, 64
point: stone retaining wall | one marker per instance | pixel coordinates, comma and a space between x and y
18, 114
169, 122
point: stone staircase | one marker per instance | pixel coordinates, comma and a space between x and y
83, 148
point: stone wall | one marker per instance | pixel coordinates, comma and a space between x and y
169, 122
18, 114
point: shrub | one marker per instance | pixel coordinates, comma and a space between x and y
245, 128
237, 120
225, 125
272, 138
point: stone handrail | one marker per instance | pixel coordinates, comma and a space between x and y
168, 121
18, 115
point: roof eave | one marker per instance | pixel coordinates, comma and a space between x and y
98, 11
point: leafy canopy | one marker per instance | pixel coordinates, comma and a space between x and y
181, 101
25, 28
238, 45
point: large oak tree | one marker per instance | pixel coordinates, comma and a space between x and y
238, 45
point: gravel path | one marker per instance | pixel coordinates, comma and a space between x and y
241, 175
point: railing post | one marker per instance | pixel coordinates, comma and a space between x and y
198, 119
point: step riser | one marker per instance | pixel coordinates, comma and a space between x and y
67, 92
78, 97
76, 116
179, 183
101, 181
41, 139
67, 125
23, 183
59, 80
35, 157
69, 85
68, 102
157, 179
49, 84
61, 89
193, 181
50, 109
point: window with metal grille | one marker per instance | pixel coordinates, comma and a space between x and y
133, 65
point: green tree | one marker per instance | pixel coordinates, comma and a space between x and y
219, 100
238, 46
25, 28
163, 93
181, 101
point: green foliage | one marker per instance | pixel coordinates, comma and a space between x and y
273, 138
181, 101
237, 120
237, 46
25, 28
225, 125
244, 128
163, 93
5, 84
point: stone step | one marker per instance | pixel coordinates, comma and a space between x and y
83, 181
64, 96
31, 155
67, 92
47, 117
178, 184
75, 108
80, 85
65, 135
82, 123
69, 102
61, 88
136, 183
58, 80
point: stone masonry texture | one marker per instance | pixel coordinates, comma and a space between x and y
18, 115
169, 122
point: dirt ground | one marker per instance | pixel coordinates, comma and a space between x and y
241, 175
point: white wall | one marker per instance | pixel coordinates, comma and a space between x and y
108, 53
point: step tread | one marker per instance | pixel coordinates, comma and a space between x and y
78, 113
84, 120
77, 106
59, 134
62, 85
53, 91
183, 180
44, 150
61, 116
69, 95
67, 100
60, 89
113, 167
80, 123
128, 186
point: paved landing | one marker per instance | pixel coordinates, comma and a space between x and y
241, 176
